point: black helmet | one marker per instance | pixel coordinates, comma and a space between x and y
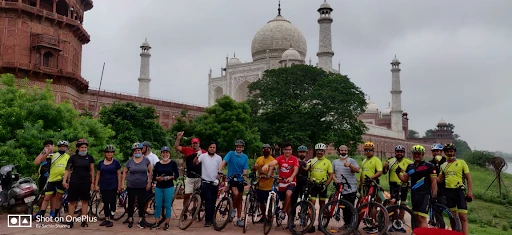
239, 142
449, 146
80, 142
147, 144
109, 148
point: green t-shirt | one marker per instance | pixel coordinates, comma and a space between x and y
371, 166
393, 164
320, 169
454, 172
58, 167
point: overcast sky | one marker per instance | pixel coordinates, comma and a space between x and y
456, 55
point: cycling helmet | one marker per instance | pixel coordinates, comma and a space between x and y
368, 145
320, 146
147, 144
418, 149
266, 146
80, 142
109, 148
62, 142
136, 146
239, 142
436, 146
450, 146
302, 148
165, 148
399, 148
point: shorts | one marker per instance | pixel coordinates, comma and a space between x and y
192, 184
53, 187
282, 194
420, 203
318, 190
456, 200
41, 182
238, 185
262, 195
79, 192
393, 190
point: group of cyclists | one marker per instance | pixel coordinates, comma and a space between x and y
443, 179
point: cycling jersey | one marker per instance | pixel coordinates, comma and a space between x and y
264, 184
58, 166
393, 165
453, 173
420, 176
320, 169
286, 168
371, 166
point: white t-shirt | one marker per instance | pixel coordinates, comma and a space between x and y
152, 158
209, 166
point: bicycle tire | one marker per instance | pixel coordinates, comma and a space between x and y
151, 202
194, 198
384, 213
337, 204
454, 219
120, 204
391, 211
247, 209
37, 202
176, 192
309, 208
267, 224
220, 227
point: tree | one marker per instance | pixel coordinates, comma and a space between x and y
413, 134
30, 115
223, 123
429, 133
133, 123
306, 105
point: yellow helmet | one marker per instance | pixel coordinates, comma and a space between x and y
369, 145
418, 149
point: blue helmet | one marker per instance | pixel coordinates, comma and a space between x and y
436, 146
165, 148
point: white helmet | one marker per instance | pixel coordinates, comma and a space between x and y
320, 146
63, 142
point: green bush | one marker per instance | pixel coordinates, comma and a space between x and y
479, 158
505, 227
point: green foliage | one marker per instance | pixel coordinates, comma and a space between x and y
478, 158
133, 123
30, 115
306, 105
224, 122
413, 134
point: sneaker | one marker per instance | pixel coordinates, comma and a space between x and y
52, 214
402, 230
166, 227
109, 224
105, 222
141, 225
312, 229
240, 222
155, 226
130, 224
371, 230
282, 215
207, 224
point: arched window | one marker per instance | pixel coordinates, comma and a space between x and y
47, 59
62, 8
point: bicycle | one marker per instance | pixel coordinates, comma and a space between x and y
224, 210
437, 210
252, 206
197, 204
368, 208
273, 207
396, 213
306, 212
335, 209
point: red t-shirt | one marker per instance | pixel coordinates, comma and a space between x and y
286, 168
187, 151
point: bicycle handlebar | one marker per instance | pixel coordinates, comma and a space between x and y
368, 180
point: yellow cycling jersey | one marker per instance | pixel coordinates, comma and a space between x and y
453, 173
393, 165
58, 167
371, 166
320, 169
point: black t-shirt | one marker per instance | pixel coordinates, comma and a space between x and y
192, 167
80, 167
437, 165
302, 175
169, 169
420, 176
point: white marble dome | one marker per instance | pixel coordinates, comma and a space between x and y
234, 61
291, 54
276, 37
387, 111
371, 107
442, 123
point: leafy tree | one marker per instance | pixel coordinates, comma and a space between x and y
463, 148
224, 122
30, 115
429, 133
479, 158
133, 123
306, 105
413, 134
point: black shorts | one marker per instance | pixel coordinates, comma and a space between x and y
79, 191
54, 187
455, 200
41, 182
282, 194
320, 191
393, 190
237, 184
262, 195
419, 203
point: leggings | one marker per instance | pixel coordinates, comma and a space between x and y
141, 195
109, 202
164, 195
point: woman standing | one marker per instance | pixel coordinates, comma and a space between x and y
164, 174
109, 179
137, 181
80, 170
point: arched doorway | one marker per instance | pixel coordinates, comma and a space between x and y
242, 91
217, 93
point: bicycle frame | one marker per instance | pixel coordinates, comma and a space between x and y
273, 195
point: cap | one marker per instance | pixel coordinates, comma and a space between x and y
165, 148
195, 140
147, 144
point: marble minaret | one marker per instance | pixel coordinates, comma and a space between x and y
144, 79
325, 52
396, 97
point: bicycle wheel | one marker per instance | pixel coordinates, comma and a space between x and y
177, 191
267, 224
99, 212
256, 213
374, 216
247, 209
149, 209
35, 206
335, 211
190, 211
222, 211
120, 209
402, 219
441, 217
304, 212
95, 199
202, 212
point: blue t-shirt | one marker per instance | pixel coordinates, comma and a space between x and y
237, 164
108, 175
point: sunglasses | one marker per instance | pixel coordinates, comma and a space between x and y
368, 150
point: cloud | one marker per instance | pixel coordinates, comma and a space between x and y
456, 55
